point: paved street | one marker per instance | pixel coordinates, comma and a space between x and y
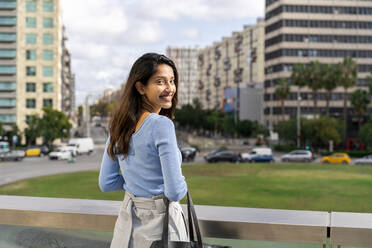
41, 166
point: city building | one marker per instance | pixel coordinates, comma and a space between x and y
31, 64
226, 66
186, 59
68, 82
301, 31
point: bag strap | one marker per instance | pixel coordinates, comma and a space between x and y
192, 219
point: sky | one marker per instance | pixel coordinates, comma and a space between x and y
105, 37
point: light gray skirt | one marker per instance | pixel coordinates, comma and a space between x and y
140, 222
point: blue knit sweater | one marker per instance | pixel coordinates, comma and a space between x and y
153, 164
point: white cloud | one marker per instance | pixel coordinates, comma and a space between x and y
89, 50
106, 36
201, 9
191, 33
94, 17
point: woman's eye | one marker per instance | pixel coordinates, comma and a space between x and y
160, 82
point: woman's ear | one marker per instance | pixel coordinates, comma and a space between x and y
140, 87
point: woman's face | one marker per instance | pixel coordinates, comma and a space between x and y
160, 88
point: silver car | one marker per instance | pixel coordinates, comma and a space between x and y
364, 160
298, 156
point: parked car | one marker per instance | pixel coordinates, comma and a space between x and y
263, 159
188, 153
298, 156
14, 155
61, 153
336, 158
222, 156
83, 145
33, 151
365, 160
36, 151
261, 152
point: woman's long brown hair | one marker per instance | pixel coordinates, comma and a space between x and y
131, 102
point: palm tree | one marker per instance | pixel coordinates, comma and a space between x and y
314, 82
299, 76
329, 80
282, 91
360, 100
348, 78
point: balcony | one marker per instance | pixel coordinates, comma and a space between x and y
8, 37
60, 222
8, 86
8, 54
8, 102
8, 21
8, 5
8, 70
7, 118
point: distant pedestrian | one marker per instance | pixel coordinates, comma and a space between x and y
142, 156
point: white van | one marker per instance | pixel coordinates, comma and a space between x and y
256, 152
83, 145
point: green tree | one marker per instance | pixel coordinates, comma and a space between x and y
299, 75
369, 81
244, 128
329, 79
14, 131
365, 133
348, 77
318, 132
229, 125
54, 125
285, 130
33, 129
314, 82
360, 100
282, 91
215, 120
259, 129
2, 130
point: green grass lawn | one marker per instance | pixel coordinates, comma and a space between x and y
279, 186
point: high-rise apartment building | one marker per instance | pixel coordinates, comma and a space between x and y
8, 62
185, 59
30, 59
228, 64
301, 31
68, 82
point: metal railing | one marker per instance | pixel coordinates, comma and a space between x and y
291, 226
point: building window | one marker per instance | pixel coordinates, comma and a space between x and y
47, 39
48, 55
47, 87
28, 119
30, 22
47, 102
30, 103
47, 22
47, 6
31, 70
30, 87
30, 39
31, 5
30, 54
8, 21
47, 71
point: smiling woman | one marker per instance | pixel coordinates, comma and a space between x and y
143, 146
